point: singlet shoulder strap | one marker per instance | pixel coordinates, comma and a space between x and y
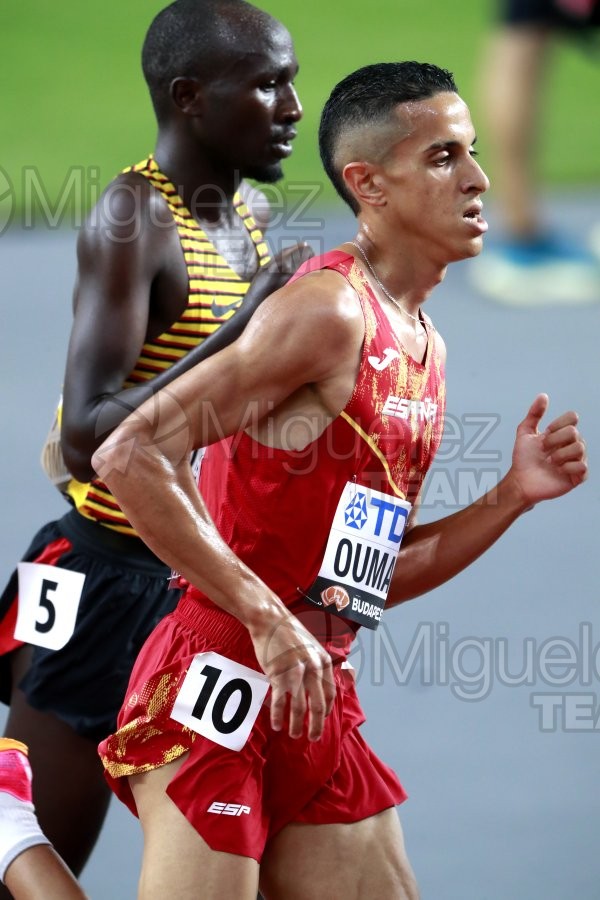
334, 259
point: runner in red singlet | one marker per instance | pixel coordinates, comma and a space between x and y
238, 744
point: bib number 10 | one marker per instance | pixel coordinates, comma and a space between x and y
220, 699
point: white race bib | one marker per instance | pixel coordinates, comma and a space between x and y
48, 603
196, 462
220, 699
360, 556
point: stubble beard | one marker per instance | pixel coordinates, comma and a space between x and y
267, 174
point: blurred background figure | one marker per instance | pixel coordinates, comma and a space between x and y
532, 263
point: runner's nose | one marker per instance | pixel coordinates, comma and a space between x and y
290, 107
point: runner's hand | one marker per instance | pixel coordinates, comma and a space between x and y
301, 676
276, 273
549, 463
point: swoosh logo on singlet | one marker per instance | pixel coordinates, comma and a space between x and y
383, 363
218, 310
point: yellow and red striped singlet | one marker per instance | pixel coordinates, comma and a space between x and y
216, 291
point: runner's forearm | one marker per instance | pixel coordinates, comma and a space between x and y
431, 554
153, 491
81, 439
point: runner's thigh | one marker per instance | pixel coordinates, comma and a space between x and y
363, 860
177, 862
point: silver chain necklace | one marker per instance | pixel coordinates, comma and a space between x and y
394, 300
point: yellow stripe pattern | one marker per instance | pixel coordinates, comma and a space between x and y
215, 293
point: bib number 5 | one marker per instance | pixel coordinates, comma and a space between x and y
48, 603
220, 699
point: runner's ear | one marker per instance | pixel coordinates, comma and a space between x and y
186, 94
363, 181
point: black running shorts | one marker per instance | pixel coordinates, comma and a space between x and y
125, 594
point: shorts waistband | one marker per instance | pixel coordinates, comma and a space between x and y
224, 630
216, 625
104, 541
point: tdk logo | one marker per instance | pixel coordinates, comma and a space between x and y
390, 518
355, 513
228, 809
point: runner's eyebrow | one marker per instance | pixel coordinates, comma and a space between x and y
448, 145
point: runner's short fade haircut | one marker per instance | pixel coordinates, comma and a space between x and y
184, 39
366, 98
